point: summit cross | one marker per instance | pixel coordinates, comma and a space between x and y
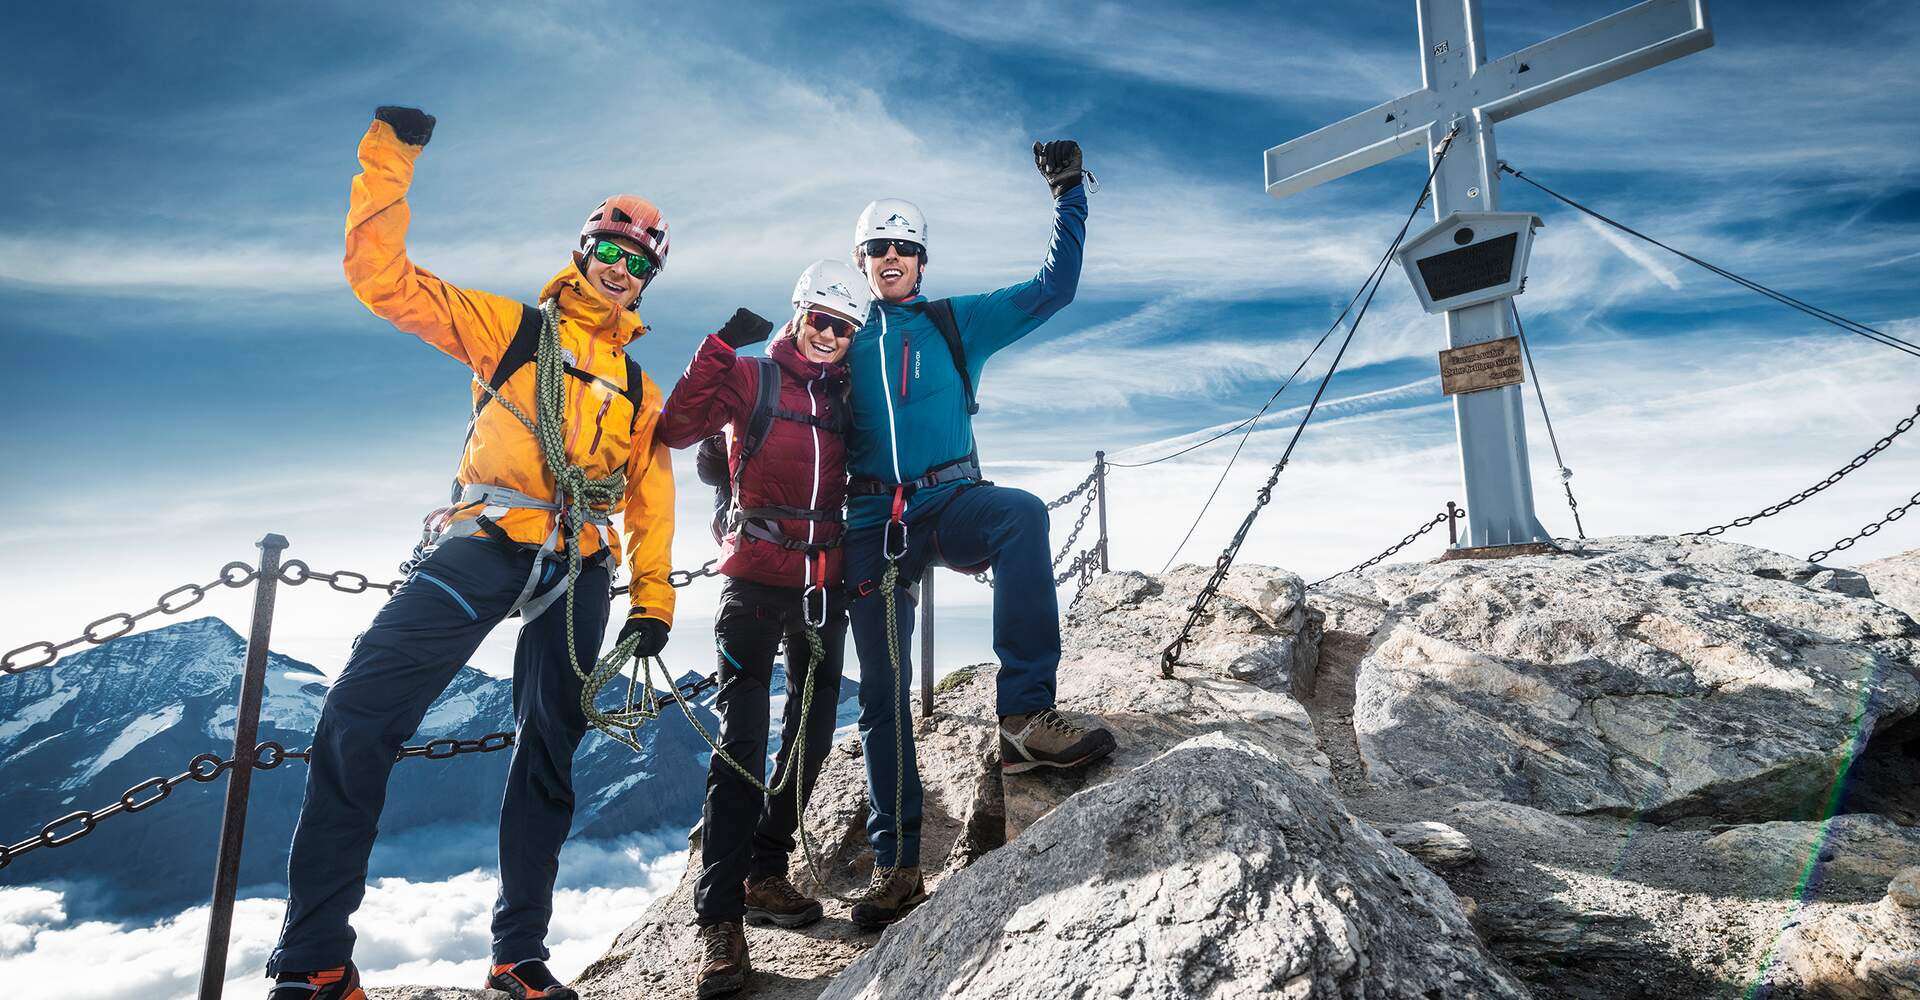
1461, 88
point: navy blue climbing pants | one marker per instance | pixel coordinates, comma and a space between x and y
399, 665
744, 833
986, 524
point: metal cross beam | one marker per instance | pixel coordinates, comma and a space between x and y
1459, 86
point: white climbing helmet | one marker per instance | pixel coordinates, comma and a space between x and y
891, 219
834, 286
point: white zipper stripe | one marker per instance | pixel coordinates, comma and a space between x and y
813, 501
886, 392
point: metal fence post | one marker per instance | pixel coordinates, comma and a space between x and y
246, 729
1453, 525
1100, 485
926, 643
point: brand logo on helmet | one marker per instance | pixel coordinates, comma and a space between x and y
897, 219
839, 289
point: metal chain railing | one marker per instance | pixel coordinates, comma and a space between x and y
1451, 513
1867, 532
1087, 486
1905, 424
294, 573
208, 767
34, 655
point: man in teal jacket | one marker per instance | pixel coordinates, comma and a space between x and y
917, 499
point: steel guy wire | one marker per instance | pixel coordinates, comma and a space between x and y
1171, 654
1824, 315
1905, 424
1566, 474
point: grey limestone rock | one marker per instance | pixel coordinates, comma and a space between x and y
1650, 676
1214, 871
1436, 845
1867, 952
1896, 581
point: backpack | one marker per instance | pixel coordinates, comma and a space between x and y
766, 408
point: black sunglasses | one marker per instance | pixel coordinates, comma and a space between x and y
878, 248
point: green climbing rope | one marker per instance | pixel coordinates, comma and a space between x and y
576, 493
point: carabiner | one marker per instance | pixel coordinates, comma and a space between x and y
807, 601
896, 522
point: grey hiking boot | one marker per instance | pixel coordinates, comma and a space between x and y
893, 893
772, 899
724, 964
1048, 739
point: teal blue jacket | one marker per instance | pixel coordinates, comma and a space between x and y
909, 406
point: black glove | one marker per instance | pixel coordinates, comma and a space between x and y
1059, 163
652, 633
412, 125
710, 461
744, 329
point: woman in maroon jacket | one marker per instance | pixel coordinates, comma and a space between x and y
780, 551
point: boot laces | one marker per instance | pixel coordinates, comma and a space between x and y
1050, 719
883, 879
781, 888
714, 940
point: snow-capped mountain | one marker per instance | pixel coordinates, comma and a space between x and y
77, 734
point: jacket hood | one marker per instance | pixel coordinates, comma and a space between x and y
587, 309
786, 353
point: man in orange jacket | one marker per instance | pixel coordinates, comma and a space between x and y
501, 547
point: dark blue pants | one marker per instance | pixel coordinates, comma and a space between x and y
743, 833
399, 665
1001, 527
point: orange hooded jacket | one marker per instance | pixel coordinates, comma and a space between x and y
603, 433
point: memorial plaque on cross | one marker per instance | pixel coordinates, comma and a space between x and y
1461, 88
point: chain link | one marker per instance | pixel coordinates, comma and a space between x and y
1092, 492
1867, 532
1438, 519
207, 767
680, 577
34, 655
1905, 424
293, 573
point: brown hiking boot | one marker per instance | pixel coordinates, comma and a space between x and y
1047, 739
773, 900
893, 893
724, 964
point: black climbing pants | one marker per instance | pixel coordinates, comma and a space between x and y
743, 834
417, 643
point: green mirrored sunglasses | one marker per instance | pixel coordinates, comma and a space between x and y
638, 264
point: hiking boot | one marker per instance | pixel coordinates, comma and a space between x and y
528, 980
724, 962
772, 899
1048, 739
339, 983
893, 894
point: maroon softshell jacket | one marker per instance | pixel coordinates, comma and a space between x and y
798, 465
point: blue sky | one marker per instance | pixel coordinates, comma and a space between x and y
187, 369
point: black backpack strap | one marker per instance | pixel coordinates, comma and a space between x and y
766, 399
519, 353
636, 390
940, 311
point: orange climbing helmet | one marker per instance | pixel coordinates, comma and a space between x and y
634, 218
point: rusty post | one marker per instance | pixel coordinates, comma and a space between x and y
246, 730
1453, 524
1100, 484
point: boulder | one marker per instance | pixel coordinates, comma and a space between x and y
1650, 676
1238, 676
1436, 845
1857, 850
1214, 870
1896, 581
1856, 952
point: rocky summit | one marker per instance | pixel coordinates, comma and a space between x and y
1644, 767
